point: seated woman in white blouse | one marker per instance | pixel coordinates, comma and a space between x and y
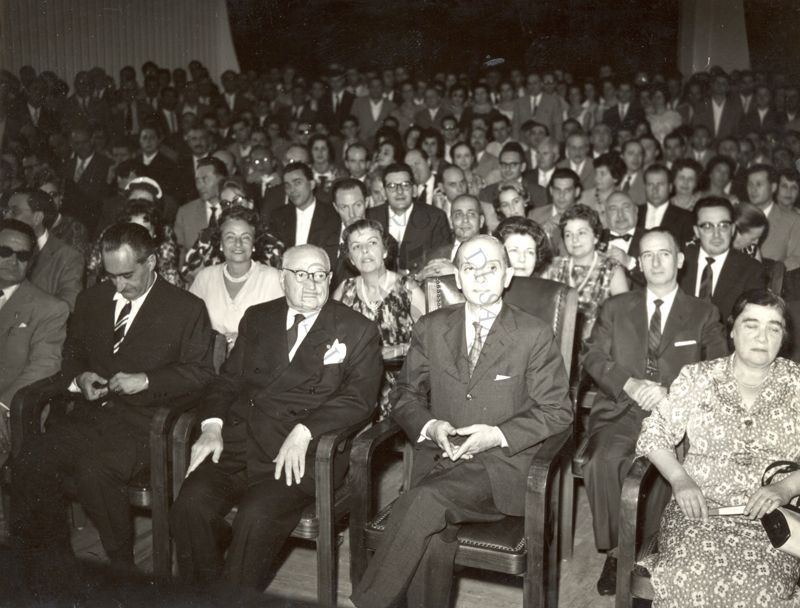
230, 288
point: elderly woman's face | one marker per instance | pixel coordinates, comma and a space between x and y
366, 250
511, 204
757, 334
238, 238
685, 182
579, 238
521, 249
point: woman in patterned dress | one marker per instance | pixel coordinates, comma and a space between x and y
739, 413
392, 300
593, 274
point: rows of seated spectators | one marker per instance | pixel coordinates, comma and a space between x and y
619, 187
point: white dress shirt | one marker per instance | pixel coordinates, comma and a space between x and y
666, 306
545, 176
398, 223
717, 109
619, 243
304, 218
716, 268
212, 208
302, 329
148, 158
7, 293
655, 215
376, 107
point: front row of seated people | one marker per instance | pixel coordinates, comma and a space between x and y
482, 386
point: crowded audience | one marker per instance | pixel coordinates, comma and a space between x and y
276, 209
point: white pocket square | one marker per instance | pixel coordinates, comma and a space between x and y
22, 325
335, 354
499, 377
685, 343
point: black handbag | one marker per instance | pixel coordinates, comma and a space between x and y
783, 524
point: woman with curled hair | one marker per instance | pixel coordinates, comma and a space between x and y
609, 170
662, 120
512, 200
325, 172
464, 158
239, 282
717, 178
738, 414
394, 301
526, 244
207, 249
751, 226
147, 214
686, 174
593, 274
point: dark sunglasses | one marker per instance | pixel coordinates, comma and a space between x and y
22, 256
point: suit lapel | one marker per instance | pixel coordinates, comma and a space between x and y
10, 312
637, 317
455, 338
495, 345
677, 318
148, 313
692, 269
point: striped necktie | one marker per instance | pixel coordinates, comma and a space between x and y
475, 349
119, 326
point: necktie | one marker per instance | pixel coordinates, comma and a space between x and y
653, 342
622, 111
119, 326
212, 220
533, 106
621, 237
291, 334
706, 280
80, 166
475, 349
626, 183
423, 195
129, 118
335, 102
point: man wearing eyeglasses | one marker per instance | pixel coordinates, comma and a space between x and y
712, 269
33, 324
302, 366
419, 228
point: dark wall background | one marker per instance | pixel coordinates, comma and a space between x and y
577, 35
773, 34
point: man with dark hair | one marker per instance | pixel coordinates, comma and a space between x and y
658, 212
431, 115
135, 342
538, 105
627, 113
205, 210
712, 270
33, 324
720, 113
153, 163
564, 191
418, 228
783, 235
639, 344
632, 182
85, 178
56, 267
577, 158
305, 220
762, 118
371, 110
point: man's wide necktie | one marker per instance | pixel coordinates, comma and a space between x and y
475, 349
213, 220
653, 342
707, 280
291, 333
119, 326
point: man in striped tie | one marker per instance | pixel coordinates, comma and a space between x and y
135, 342
640, 342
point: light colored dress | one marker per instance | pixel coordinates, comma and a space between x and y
663, 124
725, 561
262, 285
592, 282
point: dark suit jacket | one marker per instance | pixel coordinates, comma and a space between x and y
170, 340
728, 123
240, 103
33, 326
792, 350
49, 121
334, 119
285, 115
274, 198
530, 404
739, 273
635, 274
261, 395
548, 113
676, 220
633, 117
423, 119
617, 348
427, 230
58, 270
324, 232
165, 172
98, 112
752, 122
84, 200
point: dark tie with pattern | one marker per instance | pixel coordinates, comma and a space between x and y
653, 342
119, 326
707, 280
212, 220
291, 334
475, 349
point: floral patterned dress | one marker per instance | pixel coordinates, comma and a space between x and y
724, 562
593, 289
393, 317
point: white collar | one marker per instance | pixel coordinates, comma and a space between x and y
666, 300
148, 158
485, 315
310, 317
138, 301
42, 239
719, 258
308, 210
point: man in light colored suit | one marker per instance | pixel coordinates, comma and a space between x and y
372, 110
482, 386
538, 105
56, 268
33, 324
783, 234
487, 165
196, 215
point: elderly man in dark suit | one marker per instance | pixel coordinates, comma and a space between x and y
713, 270
56, 268
302, 366
419, 229
483, 384
639, 344
135, 342
33, 324
622, 236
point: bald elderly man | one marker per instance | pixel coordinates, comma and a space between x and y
498, 388
303, 366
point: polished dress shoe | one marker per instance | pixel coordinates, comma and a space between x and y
607, 583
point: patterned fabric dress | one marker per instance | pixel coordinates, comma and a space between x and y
592, 290
393, 316
725, 562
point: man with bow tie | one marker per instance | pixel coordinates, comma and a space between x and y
482, 386
302, 366
622, 235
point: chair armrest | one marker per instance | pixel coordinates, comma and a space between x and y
27, 407
161, 425
181, 448
551, 456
